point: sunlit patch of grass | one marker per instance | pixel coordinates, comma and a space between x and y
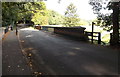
31, 27
106, 38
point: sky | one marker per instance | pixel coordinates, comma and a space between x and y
84, 10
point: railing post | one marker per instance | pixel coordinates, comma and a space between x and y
99, 38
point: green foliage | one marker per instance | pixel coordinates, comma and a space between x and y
54, 18
103, 20
71, 18
40, 14
106, 38
32, 6
40, 17
36, 12
96, 6
15, 11
30, 11
10, 12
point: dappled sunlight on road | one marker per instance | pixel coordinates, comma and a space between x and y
29, 36
29, 28
77, 48
72, 53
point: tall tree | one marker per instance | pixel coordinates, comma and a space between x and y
0, 14
71, 18
103, 19
115, 20
112, 19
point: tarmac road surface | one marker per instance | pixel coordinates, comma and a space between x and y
55, 55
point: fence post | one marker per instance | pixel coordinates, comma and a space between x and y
99, 38
92, 31
111, 39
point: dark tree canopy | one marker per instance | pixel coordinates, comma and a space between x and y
110, 21
15, 11
104, 20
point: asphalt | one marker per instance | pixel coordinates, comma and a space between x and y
13, 61
55, 55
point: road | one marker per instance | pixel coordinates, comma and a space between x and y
54, 55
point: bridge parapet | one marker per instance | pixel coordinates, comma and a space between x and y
75, 32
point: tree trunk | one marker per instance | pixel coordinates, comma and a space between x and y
115, 20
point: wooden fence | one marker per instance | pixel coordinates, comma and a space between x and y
95, 36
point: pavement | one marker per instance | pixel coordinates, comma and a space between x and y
13, 61
1, 35
55, 55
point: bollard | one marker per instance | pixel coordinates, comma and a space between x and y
11, 28
6, 30
16, 31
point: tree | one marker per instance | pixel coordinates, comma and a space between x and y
54, 18
115, 20
71, 18
103, 20
40, 17
40, 14
112, 19
15, 11
10, 12
0, 15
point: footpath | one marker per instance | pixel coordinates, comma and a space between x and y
13, 60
